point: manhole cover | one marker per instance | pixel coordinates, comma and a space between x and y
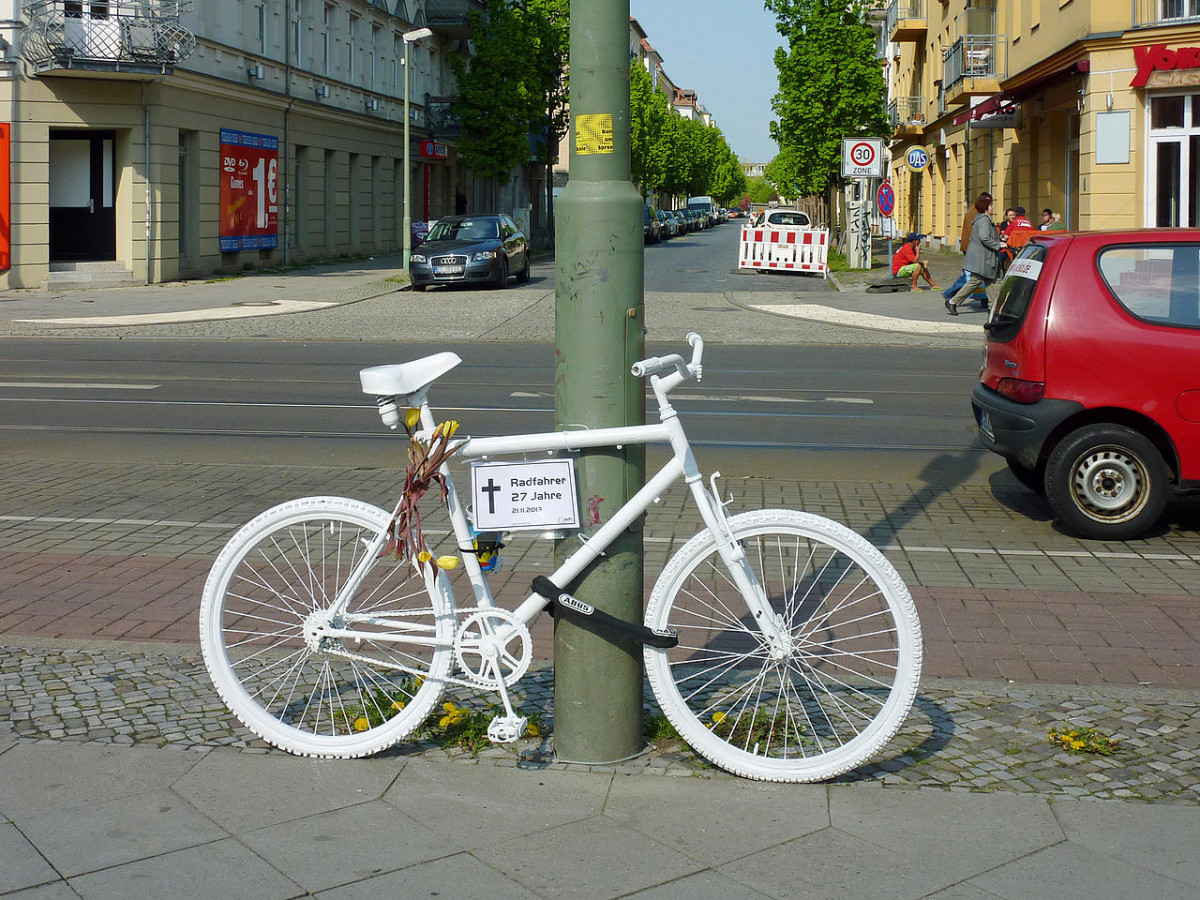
257, 303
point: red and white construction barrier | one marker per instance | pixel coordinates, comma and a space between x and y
789, 249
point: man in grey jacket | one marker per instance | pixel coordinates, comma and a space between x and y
983, 254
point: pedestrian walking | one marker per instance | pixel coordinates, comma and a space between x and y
964, 240
982, 261
907, 261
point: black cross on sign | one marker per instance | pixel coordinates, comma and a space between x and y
491, 489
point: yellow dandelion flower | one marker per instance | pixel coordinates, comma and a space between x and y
449, 707
397, 705
361, 724
532, 730
1077, 745
718, 718
443, 721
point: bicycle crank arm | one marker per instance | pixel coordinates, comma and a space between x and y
573, 607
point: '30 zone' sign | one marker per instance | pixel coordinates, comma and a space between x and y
862, 157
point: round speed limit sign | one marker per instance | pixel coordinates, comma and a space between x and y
862, 154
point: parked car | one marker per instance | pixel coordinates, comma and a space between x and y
651, 227
1090, 387
471, 249
791, 218
667, 226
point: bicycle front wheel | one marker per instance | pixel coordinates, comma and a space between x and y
286, 668
816, 703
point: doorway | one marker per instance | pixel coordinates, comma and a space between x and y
83, 220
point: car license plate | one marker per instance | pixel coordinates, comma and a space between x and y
985, 426
447, 270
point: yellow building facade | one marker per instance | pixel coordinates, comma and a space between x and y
1090, 108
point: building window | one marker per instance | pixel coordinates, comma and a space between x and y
297, 29
262, 29
325, 61
351, 40
1174, 194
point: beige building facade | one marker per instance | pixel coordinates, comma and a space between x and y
1090, 108
165, 140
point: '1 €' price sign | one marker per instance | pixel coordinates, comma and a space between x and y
249, 191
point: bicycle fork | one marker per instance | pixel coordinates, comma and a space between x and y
733, 554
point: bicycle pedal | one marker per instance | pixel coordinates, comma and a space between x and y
506, 729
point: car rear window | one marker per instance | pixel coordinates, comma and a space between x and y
1016, 291
1157, 283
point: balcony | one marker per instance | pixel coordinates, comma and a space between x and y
905, 20
451, 18
440, 117
975, 64
906, 116
126, 38
1154, 13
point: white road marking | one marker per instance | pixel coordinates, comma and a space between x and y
827, 314
80, 385
190, 315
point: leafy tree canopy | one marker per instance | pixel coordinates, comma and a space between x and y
830, 88
514, 85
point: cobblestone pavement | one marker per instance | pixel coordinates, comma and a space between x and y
974, 736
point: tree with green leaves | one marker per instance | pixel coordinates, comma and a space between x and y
830, 88
514, 86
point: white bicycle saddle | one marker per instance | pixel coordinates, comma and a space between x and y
406, 380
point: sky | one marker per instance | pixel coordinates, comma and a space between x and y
724, 50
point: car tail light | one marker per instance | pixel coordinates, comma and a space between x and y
1020, 391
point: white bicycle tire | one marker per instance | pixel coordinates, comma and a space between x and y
888, 601
220, 604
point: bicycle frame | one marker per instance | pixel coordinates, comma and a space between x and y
669, 430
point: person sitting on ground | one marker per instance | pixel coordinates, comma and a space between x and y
907, 261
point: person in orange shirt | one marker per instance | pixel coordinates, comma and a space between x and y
907, 261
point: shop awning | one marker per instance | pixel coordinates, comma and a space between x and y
992, 104
1021, 90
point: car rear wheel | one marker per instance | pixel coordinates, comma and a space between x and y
1107, 482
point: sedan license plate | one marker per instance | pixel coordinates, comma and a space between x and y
985, 426
447, 270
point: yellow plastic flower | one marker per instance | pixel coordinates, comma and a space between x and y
412, 417
447, 428
447, 562
424, 556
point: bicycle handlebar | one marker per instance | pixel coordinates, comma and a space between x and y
656, 364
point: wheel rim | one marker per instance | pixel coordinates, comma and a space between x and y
1110, 484
815, 706
272, 657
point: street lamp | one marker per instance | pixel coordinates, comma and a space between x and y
406, 241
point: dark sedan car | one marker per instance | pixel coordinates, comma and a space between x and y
471, 250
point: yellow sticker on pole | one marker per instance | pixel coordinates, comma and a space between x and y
594, 134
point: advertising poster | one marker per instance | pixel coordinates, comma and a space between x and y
249, 191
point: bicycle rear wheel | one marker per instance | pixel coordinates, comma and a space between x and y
264, 632
827, 699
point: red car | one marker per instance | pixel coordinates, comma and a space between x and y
1090, 387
